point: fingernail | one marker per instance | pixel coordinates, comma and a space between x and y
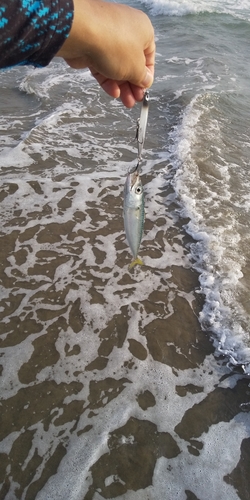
148, 80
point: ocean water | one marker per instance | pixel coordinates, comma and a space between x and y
119, 384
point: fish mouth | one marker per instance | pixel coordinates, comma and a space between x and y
136, 169
134, 176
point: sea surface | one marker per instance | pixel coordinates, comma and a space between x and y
117, 383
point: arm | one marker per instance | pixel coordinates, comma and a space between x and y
116, 43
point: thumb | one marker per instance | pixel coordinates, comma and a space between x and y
148, 79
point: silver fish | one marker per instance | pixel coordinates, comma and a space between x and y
133, 212
142, 124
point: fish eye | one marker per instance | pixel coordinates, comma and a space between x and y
138, 190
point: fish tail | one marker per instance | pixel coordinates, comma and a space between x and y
136, 261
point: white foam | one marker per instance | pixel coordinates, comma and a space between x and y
216, 253
239, 9
187, 471
42, 81
15, 157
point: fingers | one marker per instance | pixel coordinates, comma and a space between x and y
128, 93
111, 87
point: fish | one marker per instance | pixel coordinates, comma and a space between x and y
142, 124
133, 205
133, 212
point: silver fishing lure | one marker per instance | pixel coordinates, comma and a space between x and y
142, 124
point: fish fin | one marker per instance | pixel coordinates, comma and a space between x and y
136, 261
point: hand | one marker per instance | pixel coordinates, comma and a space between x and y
116, 43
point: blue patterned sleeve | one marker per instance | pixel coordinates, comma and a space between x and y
32, 31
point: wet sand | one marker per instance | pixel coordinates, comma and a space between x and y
137, 384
